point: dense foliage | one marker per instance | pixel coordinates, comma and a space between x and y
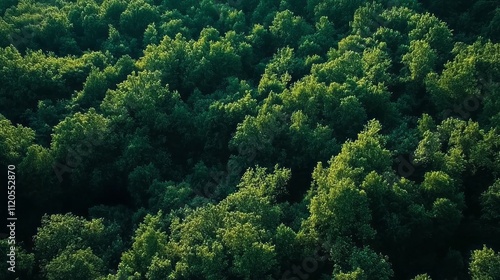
245, 139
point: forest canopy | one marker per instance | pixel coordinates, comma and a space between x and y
245, 139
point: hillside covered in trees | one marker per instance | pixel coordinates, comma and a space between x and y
246, 139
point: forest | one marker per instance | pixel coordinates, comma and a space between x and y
250, 139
